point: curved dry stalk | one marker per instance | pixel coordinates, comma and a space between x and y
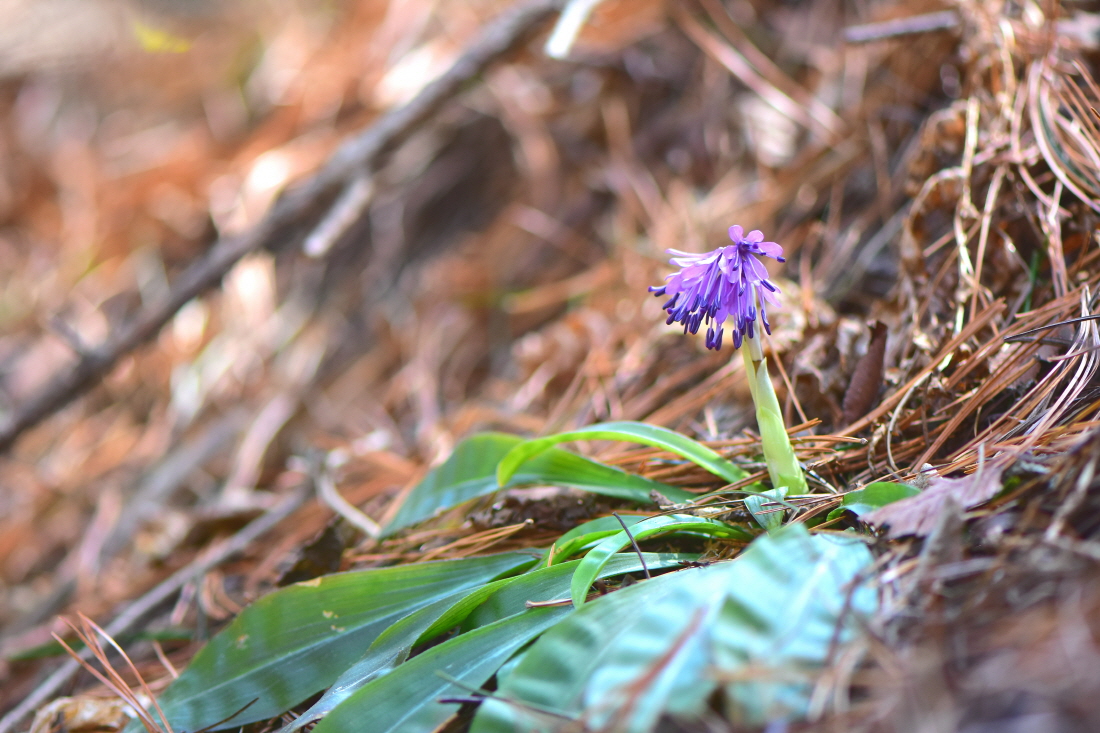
88, 632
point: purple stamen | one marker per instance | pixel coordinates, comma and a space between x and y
726, 283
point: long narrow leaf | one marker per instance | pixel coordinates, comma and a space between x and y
487, 604
296, 641
407, 699
389, 650
630, 432
471, 471
770, 518
589, 534
556, 672
873, 496
807, 580
589, 568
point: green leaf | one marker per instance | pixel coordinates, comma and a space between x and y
296, 641
407, 699
590, 533
593, 562
630, 432
512, 597
389, 650
478, 607
663, 646
471, 471
792, 604
597, 526
769, 517
873, 496
555, 671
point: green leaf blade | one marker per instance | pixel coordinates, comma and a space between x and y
471, 472
479, 607
407, 699
630, 432
873, 496
662, 646
571, 662
590, 533
294, 642
590, 567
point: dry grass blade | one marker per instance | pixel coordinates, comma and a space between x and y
1064, 131
89, 633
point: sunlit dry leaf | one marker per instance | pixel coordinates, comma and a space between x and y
82, 713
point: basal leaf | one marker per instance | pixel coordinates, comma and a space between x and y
791, 603
389, 650
407, 699
630, 432
471, 471
296, 641
662, 647
590, 533
918, 514
555, 586
550, 684
600, 524
589, 568
476, 607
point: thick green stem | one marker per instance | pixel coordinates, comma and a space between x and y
783, 467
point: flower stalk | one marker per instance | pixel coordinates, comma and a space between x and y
783, 468
730, 283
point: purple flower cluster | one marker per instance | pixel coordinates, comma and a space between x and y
725, 283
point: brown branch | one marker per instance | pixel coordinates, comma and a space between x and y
356, 157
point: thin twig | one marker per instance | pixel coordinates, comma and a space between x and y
295, 208
109, 677
1023, 336
641, 558
737, 65
925, 23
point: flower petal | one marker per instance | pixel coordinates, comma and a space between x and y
770, 249
726, 283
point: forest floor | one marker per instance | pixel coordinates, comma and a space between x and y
208, 300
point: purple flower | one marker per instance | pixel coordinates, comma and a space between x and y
722, 284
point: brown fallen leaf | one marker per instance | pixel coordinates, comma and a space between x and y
917, 515
866, 380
